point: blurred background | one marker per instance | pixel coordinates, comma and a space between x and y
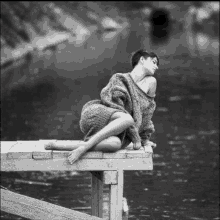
57, 55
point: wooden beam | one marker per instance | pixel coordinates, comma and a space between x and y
81, 165
24, 150
36, 150
97, 194
35, 209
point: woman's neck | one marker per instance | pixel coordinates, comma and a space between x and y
138, 74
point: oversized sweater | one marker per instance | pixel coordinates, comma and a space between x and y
120, 94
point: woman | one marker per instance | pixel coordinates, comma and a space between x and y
123, 114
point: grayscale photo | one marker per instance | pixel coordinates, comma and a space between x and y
109, 110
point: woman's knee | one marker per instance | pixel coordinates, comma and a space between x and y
126, 117
129, 119
116, 142
110, 144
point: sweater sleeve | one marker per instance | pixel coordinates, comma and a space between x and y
119, 97
147, 132
133, 133
115, 95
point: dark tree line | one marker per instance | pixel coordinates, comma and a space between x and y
14, 15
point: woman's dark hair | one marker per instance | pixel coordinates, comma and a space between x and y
135, 56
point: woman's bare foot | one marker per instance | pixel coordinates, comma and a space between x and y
76, 154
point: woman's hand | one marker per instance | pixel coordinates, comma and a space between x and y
137, 145
150, 143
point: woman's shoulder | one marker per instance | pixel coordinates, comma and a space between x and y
152, 85
151, 79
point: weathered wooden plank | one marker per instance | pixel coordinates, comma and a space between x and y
81, 165
127, 154
119, 154
37, 154
22, 150
5, 147
97, 194
31, 208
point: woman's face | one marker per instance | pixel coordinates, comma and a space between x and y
150, 65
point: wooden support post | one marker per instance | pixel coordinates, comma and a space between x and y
97, 193
111, 178
116, 197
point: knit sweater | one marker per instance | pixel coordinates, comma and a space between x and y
122, 94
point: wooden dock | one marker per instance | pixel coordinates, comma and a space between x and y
105, 168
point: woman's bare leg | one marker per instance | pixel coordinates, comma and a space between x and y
120, 122
110, 144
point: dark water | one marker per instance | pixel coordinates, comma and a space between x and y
185, 181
